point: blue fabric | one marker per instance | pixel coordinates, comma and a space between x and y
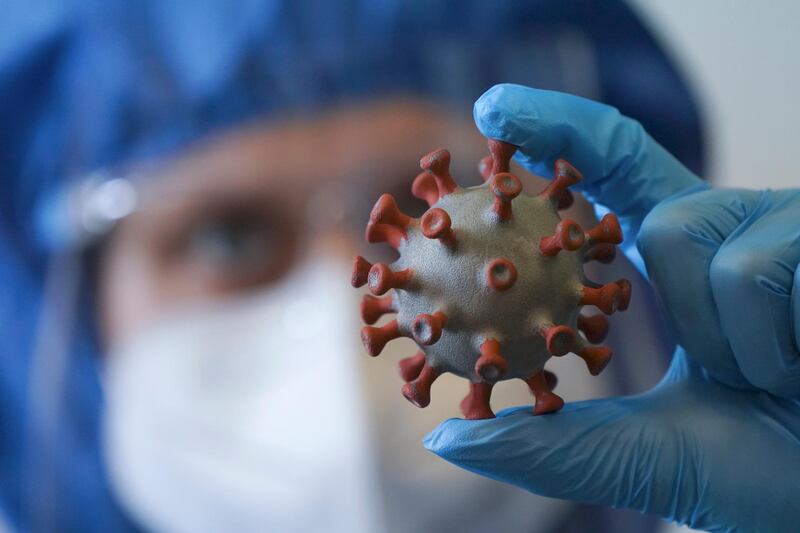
717, 443
89, 84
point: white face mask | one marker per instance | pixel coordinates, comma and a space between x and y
246, 415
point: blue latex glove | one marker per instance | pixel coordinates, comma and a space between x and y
716, 444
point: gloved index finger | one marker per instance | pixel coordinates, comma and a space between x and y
624, 169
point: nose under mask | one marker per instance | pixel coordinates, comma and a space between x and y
245, 415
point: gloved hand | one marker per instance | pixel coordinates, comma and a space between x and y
716, 444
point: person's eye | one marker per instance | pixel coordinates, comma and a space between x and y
235, 244
237, 248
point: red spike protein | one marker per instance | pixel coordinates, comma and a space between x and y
489, 282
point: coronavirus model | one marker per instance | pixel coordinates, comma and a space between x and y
489, 282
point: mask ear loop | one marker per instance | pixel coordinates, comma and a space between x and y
55, 335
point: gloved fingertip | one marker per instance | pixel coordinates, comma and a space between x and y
495, 112
622, 166
455, 438
446, 438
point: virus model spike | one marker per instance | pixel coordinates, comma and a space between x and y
426, 329
418, 391
546, 400
424, 187
501, 274
564, 176
489, 293
438, 164
551, 379
559, 340
595, 357
387, 223
568, 236
565, 200
624, 294
594, 328
410, 367
374, 339
505, 188
491, 365
475, 405
435, 224
606, 297
384, 233
501, 155
385, 211
381, 278
607, 231
360, 272
372, 308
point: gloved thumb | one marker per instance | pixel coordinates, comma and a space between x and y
623, 167
603, 452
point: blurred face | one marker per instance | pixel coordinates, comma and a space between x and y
239, 212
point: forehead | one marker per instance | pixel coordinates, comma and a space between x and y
292, 157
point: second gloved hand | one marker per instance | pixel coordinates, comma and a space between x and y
716, 444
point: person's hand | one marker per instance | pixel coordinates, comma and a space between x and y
716, 444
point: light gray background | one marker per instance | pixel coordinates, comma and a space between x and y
741, 59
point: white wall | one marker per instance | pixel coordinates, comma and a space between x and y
743, 60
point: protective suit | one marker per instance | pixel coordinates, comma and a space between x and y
92, 87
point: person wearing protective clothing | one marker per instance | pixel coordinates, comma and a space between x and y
716, 444
177, 182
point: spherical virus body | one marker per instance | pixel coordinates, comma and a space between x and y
489, 282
